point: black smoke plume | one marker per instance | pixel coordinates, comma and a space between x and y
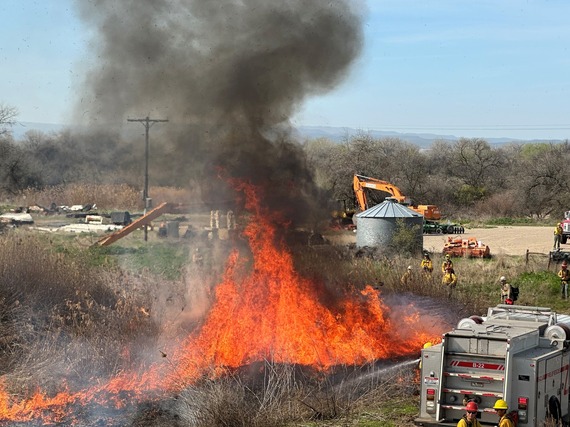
228, 75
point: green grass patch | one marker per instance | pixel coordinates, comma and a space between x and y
513, 221
162, 259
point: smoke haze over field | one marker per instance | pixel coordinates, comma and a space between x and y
228, 76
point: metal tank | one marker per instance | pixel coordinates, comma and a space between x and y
376, 226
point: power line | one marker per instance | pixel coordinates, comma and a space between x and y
147, 123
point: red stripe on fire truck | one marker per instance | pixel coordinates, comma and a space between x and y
478, 365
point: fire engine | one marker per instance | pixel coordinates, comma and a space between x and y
516, 353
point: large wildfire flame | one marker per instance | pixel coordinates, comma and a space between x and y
263, 310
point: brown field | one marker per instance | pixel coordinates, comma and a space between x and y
502, 240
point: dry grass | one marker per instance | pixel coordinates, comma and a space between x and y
62, 318
105, 196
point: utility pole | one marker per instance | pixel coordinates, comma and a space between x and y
147, 123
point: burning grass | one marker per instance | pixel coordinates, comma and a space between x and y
87, 331
273, 337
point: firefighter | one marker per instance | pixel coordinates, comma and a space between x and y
197, 258
426, 345
506, 291
427, 264
446, 263
449, 280
407, 277
470, 417
564, 275
504, 420
557, 236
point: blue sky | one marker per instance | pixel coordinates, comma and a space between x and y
474, 68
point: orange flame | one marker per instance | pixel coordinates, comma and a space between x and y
263, 310
274, 314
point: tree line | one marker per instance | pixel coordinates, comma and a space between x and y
467, 177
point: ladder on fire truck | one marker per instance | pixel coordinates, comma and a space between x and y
458, 368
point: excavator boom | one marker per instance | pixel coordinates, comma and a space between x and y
361, 182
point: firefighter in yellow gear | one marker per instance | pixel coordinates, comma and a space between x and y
564, 275
426, 264
470, 417
426, 345
408, 277
504, 420
506, 291
558, 236
449, 280
446, 263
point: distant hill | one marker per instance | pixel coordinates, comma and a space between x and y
338, 134
423, 140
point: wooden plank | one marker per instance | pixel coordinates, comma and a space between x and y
142, 221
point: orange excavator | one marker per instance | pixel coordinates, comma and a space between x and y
361, 182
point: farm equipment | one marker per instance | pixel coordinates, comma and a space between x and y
361, 182
434, 227
559, 255
342, 216
519, 354
468, 247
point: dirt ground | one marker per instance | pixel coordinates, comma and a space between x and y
503, 240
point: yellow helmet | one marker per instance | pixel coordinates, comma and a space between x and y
501, 404
428, 344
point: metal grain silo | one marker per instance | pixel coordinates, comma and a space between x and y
376, 226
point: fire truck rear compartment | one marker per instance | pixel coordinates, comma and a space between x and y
518, 356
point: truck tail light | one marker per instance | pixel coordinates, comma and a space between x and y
430, 400
522, 409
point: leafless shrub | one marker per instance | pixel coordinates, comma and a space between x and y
503, 204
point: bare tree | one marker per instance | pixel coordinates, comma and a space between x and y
7, 118
544, 179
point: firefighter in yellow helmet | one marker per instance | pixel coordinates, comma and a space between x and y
558, 236
504, 420
470, 417
426, 264
426, 345
408, 277
446, 263
449, 280
564, 275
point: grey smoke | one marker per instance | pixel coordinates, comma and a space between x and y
227, 74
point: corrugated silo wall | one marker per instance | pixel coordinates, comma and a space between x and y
379, 232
